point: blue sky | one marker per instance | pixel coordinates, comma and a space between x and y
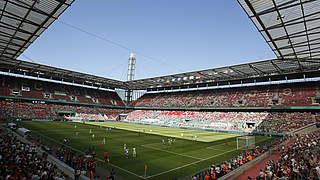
169, 36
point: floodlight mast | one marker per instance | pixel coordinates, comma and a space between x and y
131, 67
130, 76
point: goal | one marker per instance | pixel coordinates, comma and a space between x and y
245, 142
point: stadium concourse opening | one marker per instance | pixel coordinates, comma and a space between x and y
206, 124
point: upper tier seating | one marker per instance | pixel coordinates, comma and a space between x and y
297, 94
35, 89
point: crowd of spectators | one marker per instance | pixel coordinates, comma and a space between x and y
300, 160
216, 171
195, 119
273, 122
86, 109
20, 161
28, 110
261, 96
279, 122
85, 164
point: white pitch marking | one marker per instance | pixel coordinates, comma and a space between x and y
195, 162
146, 145
211, 147
189, 164
98, 159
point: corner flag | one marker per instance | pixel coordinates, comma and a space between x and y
145, 170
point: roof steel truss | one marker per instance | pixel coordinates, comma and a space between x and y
290, 27
22, 21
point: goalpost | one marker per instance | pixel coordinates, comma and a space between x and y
245, 142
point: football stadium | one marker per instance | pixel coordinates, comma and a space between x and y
254, 120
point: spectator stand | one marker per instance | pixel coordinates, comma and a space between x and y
60, 165
234, 173
298, 159
100, 171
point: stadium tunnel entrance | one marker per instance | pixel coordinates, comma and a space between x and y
62, 114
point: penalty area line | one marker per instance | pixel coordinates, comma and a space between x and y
146, 146
211, 147
196, 162
186, 165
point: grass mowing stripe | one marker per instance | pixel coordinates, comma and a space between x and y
96, 158
191, 163
125, 169
161, 165
168, 132
198, 161
146, 145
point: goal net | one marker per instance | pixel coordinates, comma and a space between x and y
245, 142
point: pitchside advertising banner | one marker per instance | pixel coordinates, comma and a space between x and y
151, 121
220, 124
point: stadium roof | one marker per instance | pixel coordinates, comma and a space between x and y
22, 21
290, 27
261, 71
58, 74
243, 73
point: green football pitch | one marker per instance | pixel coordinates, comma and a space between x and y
154, 160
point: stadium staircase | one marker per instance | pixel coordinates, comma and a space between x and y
252, 169
306, 129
